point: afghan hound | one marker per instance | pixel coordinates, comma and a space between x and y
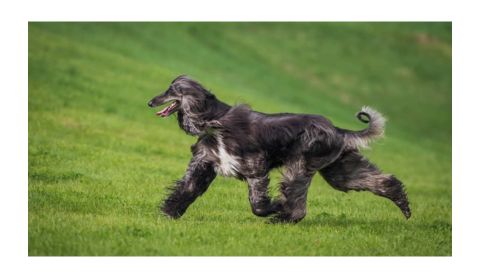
236, 141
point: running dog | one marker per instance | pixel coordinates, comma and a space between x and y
236, 141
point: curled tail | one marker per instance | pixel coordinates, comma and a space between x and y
375, 129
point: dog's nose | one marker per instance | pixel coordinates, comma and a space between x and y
150, 103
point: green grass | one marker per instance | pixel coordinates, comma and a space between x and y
100, 161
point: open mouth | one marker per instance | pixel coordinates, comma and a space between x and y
170, 109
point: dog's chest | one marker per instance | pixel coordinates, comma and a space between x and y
227, 164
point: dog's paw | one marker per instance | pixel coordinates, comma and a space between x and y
170, 213
285, 218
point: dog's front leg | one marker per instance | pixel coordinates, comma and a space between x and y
258, 196
194, 183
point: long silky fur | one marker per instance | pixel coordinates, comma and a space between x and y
240, 142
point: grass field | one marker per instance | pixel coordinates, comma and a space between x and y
100, 161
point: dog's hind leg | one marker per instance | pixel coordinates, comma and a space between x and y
352, 171
194, 183
292, 204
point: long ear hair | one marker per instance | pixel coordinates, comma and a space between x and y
199, 105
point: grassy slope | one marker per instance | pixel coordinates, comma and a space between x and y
99, 160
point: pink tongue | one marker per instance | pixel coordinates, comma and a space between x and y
163, 113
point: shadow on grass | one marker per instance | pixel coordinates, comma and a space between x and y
324, 220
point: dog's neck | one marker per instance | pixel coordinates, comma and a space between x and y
198, 123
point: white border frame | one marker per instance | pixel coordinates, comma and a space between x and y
14, 146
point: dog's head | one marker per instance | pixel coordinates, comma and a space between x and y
185, 95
